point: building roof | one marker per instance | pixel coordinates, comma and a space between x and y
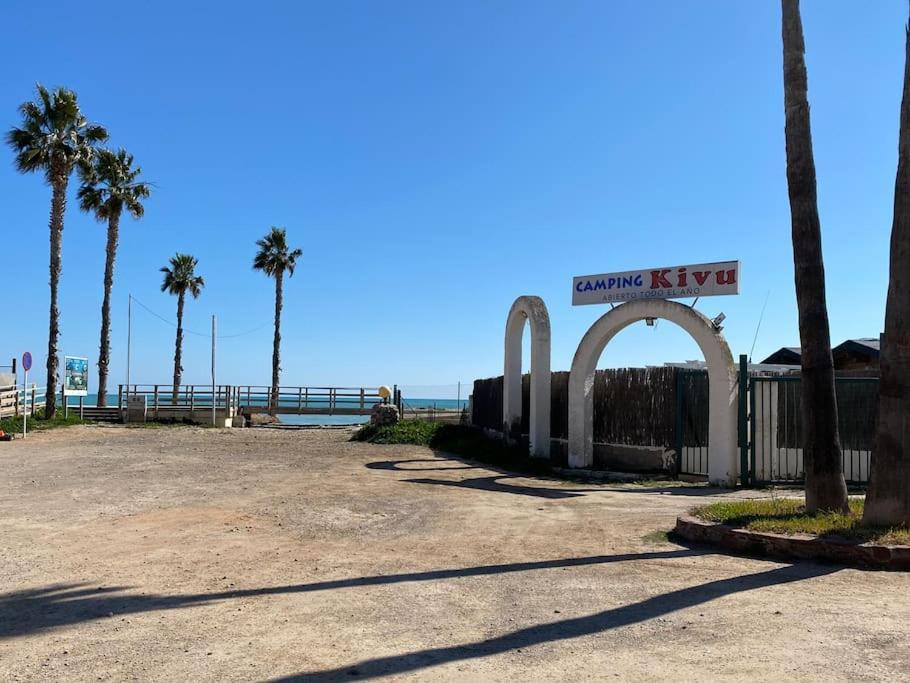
866, 347
853, 351
786, 355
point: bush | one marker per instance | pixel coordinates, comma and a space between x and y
461, 440
416, 432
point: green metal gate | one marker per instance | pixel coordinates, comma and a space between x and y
692, 422
770, 427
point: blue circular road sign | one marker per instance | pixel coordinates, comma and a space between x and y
26, 361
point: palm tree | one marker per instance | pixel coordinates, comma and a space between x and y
109, 185
825, 487
53, 138
274, 258
179, 279
888, 498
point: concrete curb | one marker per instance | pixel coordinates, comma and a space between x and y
797, 546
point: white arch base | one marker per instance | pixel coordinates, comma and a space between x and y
722, 454
534, 310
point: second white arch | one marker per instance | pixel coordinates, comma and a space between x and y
722, 390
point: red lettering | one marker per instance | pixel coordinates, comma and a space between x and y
681, 280
659, 279
701, 276
728, 278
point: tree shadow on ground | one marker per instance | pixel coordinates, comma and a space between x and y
396, 465
494, 483
564, 629
58, 605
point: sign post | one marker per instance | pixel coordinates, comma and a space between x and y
26, 366
75, 380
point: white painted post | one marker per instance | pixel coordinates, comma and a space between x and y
24, 405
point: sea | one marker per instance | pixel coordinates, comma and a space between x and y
327, 420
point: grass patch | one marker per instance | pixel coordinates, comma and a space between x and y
457, 440
161, 423
657, 537
788, 516
667, 483
13, 425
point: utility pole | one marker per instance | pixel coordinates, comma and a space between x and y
214, 420
129, 342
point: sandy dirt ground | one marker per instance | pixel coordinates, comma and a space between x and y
188, 554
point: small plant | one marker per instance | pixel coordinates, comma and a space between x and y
657, 537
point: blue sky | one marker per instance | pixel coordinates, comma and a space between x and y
436, 160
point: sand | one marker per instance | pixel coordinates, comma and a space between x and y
198, 554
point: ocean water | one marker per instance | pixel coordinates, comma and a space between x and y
409, 403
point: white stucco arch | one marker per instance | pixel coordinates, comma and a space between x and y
534, 310
722, 454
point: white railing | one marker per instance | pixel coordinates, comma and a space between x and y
16, 400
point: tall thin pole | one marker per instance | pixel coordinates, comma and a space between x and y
24, 405
129, 342
213, 372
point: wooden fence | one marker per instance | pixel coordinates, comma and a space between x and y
16, 401
632, 406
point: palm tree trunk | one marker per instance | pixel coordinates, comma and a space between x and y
276, 342
888, 498
60, 179
178, 350
104, 351
825, 487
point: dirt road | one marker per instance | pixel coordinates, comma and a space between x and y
196, 554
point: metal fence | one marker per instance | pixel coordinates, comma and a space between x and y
306, 400
691, 429
162, 397
775, 428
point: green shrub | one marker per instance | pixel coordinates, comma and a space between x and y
416, 432
461, 440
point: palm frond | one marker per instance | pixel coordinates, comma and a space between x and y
274, 257
181, 276
53, 132
109, 180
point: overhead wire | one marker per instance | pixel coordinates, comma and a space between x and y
193, 332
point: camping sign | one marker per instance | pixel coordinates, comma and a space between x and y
675, 282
